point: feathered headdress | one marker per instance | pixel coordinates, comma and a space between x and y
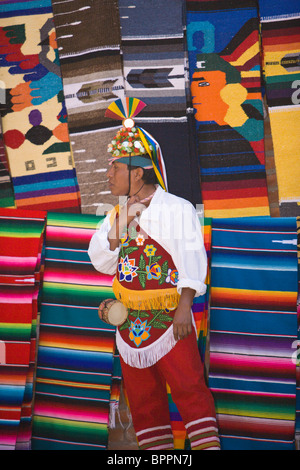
132, 144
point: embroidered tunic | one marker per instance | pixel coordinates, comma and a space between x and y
151, 266
145, 282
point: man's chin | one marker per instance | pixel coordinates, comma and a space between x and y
115, 192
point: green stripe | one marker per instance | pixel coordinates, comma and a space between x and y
15, 331
23, 228
281, 410
73, 220
156, 443
207, 445
69, 430
74, 294
283, 78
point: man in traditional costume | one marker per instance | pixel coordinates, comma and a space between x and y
154, 246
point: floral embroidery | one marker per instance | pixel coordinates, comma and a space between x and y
139, 331
140, 240
172, 277
150, 250
153, 271
139, 323
147, 269
127, 269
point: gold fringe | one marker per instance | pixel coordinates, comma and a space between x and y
146, 299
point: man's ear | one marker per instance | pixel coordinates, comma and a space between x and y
138, 174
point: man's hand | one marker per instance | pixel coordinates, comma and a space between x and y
132, 209
182, 323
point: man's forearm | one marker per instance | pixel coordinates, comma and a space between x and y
187, 297
182, 323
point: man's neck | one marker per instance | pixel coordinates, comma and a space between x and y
145, 192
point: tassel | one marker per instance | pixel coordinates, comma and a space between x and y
113, 408
154, 299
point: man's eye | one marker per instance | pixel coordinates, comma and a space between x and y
203, 84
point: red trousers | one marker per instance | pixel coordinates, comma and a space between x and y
183, 370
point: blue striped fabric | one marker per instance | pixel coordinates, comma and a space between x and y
76, 355
254, 284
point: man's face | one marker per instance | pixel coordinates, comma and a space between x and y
118, 177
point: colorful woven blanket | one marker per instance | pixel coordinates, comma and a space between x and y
280, 29
254, 285
154, 55
88, 37
224, 67
21, 243
75, 365
35, 128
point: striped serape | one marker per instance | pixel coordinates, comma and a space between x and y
280, 30
225, 77
34, 120
88, 38
75, 362
253, 334
21, 242
200, 313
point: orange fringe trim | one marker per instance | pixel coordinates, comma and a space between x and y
146, 299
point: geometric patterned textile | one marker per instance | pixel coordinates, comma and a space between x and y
21, 243
75, 363
88, 38
154, 55
280, 29
35, 128
154, 67
225, 77
254, 284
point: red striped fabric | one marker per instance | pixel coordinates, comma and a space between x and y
21, 241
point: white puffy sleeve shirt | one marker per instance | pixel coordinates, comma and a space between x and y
174, 224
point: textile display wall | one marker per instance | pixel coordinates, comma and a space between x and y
254, 285
34, 119
216, 76
280, 24
198, 68
21, 245
75, 363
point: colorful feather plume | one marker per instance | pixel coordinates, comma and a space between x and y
124, 109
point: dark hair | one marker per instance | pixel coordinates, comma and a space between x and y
149, 176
